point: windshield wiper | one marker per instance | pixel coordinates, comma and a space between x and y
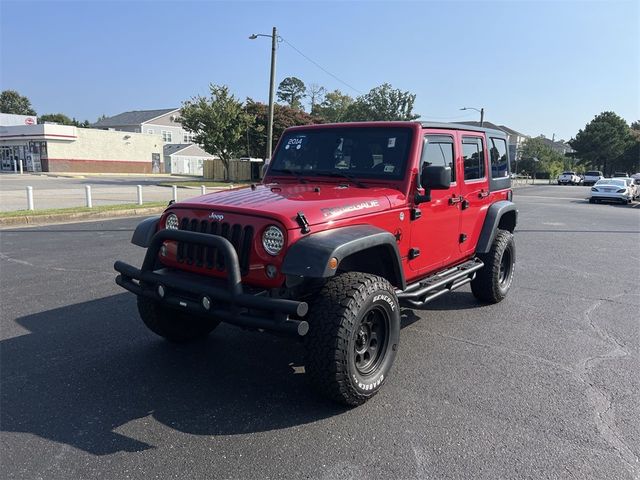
342, 175
288, 171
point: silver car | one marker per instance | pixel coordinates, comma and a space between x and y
613, 190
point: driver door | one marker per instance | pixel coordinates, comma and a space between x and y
435, 234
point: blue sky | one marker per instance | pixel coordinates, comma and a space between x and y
540, 67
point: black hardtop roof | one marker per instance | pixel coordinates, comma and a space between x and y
400, 123
461, 126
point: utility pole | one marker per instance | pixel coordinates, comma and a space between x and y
272, 85
274, 46
482, 117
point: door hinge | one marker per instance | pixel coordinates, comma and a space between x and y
465, 204
416, 213
414, 253
463, 237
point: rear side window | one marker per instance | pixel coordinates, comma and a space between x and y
438, 151
499, 160
473, 157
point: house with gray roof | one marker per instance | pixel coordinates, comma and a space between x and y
185, 159
156, 122
515, 138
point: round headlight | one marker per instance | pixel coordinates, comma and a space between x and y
171, 223
273, 240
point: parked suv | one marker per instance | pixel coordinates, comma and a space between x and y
590, 178
351, 223
569, 178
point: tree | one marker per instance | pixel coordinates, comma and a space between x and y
283, 117
334, 107
291, 91
62, 119
219, 122
12, 102
383, 103
603, 142
538, 157
59, 118
316, 95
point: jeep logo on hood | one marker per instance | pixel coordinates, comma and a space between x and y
216, 216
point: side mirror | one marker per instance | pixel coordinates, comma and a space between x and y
433, 178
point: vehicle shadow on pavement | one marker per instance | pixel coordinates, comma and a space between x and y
456, 300
88, 369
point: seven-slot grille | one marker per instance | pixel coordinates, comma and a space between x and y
241, 237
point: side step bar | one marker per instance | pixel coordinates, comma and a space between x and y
420, 293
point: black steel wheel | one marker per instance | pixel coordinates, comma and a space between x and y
371, 340
493, 281
354, 329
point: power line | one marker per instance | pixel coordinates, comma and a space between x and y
321, 67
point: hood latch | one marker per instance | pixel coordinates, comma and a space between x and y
302, 221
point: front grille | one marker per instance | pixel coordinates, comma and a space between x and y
241, 237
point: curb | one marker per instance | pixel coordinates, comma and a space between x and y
28, 220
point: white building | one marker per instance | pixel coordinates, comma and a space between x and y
185, 159
12, 120
63, 148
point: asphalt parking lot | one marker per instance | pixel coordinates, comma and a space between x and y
542, 385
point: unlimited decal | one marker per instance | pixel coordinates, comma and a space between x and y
335, 211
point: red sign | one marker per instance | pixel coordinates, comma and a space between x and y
29, 121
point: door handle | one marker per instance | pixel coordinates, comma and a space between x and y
454, 200
483, 194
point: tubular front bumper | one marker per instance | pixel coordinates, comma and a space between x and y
191, 292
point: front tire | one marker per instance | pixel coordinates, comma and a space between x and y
354, 329
493, 281
174, 325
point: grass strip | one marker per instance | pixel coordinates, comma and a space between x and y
100, 208
206, 183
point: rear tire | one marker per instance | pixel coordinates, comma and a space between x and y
354, 328
174, 325
493, 281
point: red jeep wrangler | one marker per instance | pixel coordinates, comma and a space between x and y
351, 223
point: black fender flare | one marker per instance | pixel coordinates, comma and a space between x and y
495, 213
145, 231
309, 257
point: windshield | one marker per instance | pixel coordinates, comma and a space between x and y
609, 181
344, 152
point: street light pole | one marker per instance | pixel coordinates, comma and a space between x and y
272, 81
272, 84
481, 111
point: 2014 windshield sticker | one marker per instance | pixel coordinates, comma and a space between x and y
294, 143
336, 211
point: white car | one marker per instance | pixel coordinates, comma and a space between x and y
612, 189
590, 178
569, 178
634, 184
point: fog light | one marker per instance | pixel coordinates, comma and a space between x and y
206, 303
271, 271
161, 291
163, 250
